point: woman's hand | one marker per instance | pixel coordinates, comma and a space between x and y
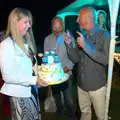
41, 83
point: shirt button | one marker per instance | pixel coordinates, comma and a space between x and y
82, 67
82, 75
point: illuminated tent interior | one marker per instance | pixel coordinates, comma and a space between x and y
74, 7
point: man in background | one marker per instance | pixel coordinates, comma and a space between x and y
55, 41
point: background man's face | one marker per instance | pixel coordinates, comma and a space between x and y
57, 27
101, 18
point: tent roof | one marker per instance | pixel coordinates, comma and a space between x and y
75, 6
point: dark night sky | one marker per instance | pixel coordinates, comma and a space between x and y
42, 11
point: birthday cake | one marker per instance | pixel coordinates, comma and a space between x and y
51, 69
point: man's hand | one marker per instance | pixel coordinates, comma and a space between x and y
66, 69
80, 40
68, 39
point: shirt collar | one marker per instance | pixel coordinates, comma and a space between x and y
58, 35
94, 29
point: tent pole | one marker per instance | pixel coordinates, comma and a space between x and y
113, 8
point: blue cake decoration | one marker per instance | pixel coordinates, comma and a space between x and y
47, 53
44, 59
57, 59
50, 57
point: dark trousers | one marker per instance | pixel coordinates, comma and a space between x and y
66, 89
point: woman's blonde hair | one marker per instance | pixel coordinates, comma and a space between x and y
12, 30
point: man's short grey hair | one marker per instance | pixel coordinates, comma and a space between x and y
56, 17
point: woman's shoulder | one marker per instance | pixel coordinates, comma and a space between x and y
7, 42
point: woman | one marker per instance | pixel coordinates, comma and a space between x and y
101, 19
17, 51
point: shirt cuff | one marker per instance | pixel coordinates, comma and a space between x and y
33, 80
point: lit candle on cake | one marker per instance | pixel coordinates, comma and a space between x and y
40, 55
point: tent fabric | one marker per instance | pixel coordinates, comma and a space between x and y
75, 6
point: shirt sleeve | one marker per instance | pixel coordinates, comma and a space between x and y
73, 53
100, 56
8, 68
68, 63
